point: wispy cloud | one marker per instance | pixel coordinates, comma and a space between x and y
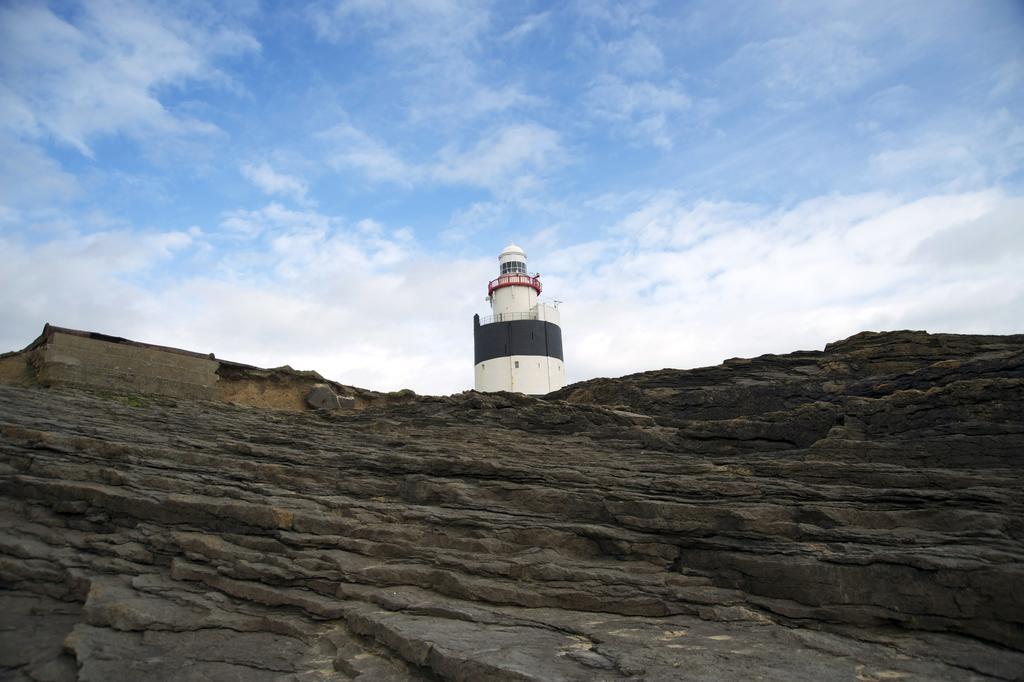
694, 181
507, 160
428, 43
305, 274
707, 280
682, 283
28, 177
992, 239
633, 87
275, 218
471, 220
272, 182
620, 37
102, 74
826, 60
642, 111
953, 153
412, 28
635, 55
353, 148
528, 26
87, 279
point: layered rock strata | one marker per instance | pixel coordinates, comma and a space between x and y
848, 514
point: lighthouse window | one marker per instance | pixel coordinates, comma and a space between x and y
513, 267
517, 364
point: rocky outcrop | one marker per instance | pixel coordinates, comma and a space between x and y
323, 397
72, 358
847, 514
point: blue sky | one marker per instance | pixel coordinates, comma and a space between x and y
328, 184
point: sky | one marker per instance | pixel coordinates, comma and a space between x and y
328, 185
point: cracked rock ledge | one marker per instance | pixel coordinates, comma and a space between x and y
852, 514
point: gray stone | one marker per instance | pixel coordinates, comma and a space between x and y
323, 397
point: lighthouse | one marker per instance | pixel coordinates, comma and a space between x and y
518, 347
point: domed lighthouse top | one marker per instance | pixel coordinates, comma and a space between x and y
512, 252
512, 263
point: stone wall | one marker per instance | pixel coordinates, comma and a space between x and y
75, 358
15, 369
70, 359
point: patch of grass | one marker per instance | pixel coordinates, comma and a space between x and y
404, 393
130, 400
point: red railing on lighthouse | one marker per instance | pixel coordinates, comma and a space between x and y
514, 281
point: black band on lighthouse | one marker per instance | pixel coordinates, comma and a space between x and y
518, 337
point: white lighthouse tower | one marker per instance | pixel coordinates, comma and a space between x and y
519, 346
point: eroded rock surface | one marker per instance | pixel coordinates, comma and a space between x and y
848, 514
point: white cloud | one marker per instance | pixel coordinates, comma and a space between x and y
634, 91
28, 177
436, 49
818, 62
360, 303
664, 280
894, 101
641, 110
508, 160
353, 148
272, 182
480, 100
100, 75
412, 28
1009, 78
470, 220
954, 153
274, 218
927, 158
675, 283
625, 38
635, 55
995, 237
81, 279
689, 284
529, 25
